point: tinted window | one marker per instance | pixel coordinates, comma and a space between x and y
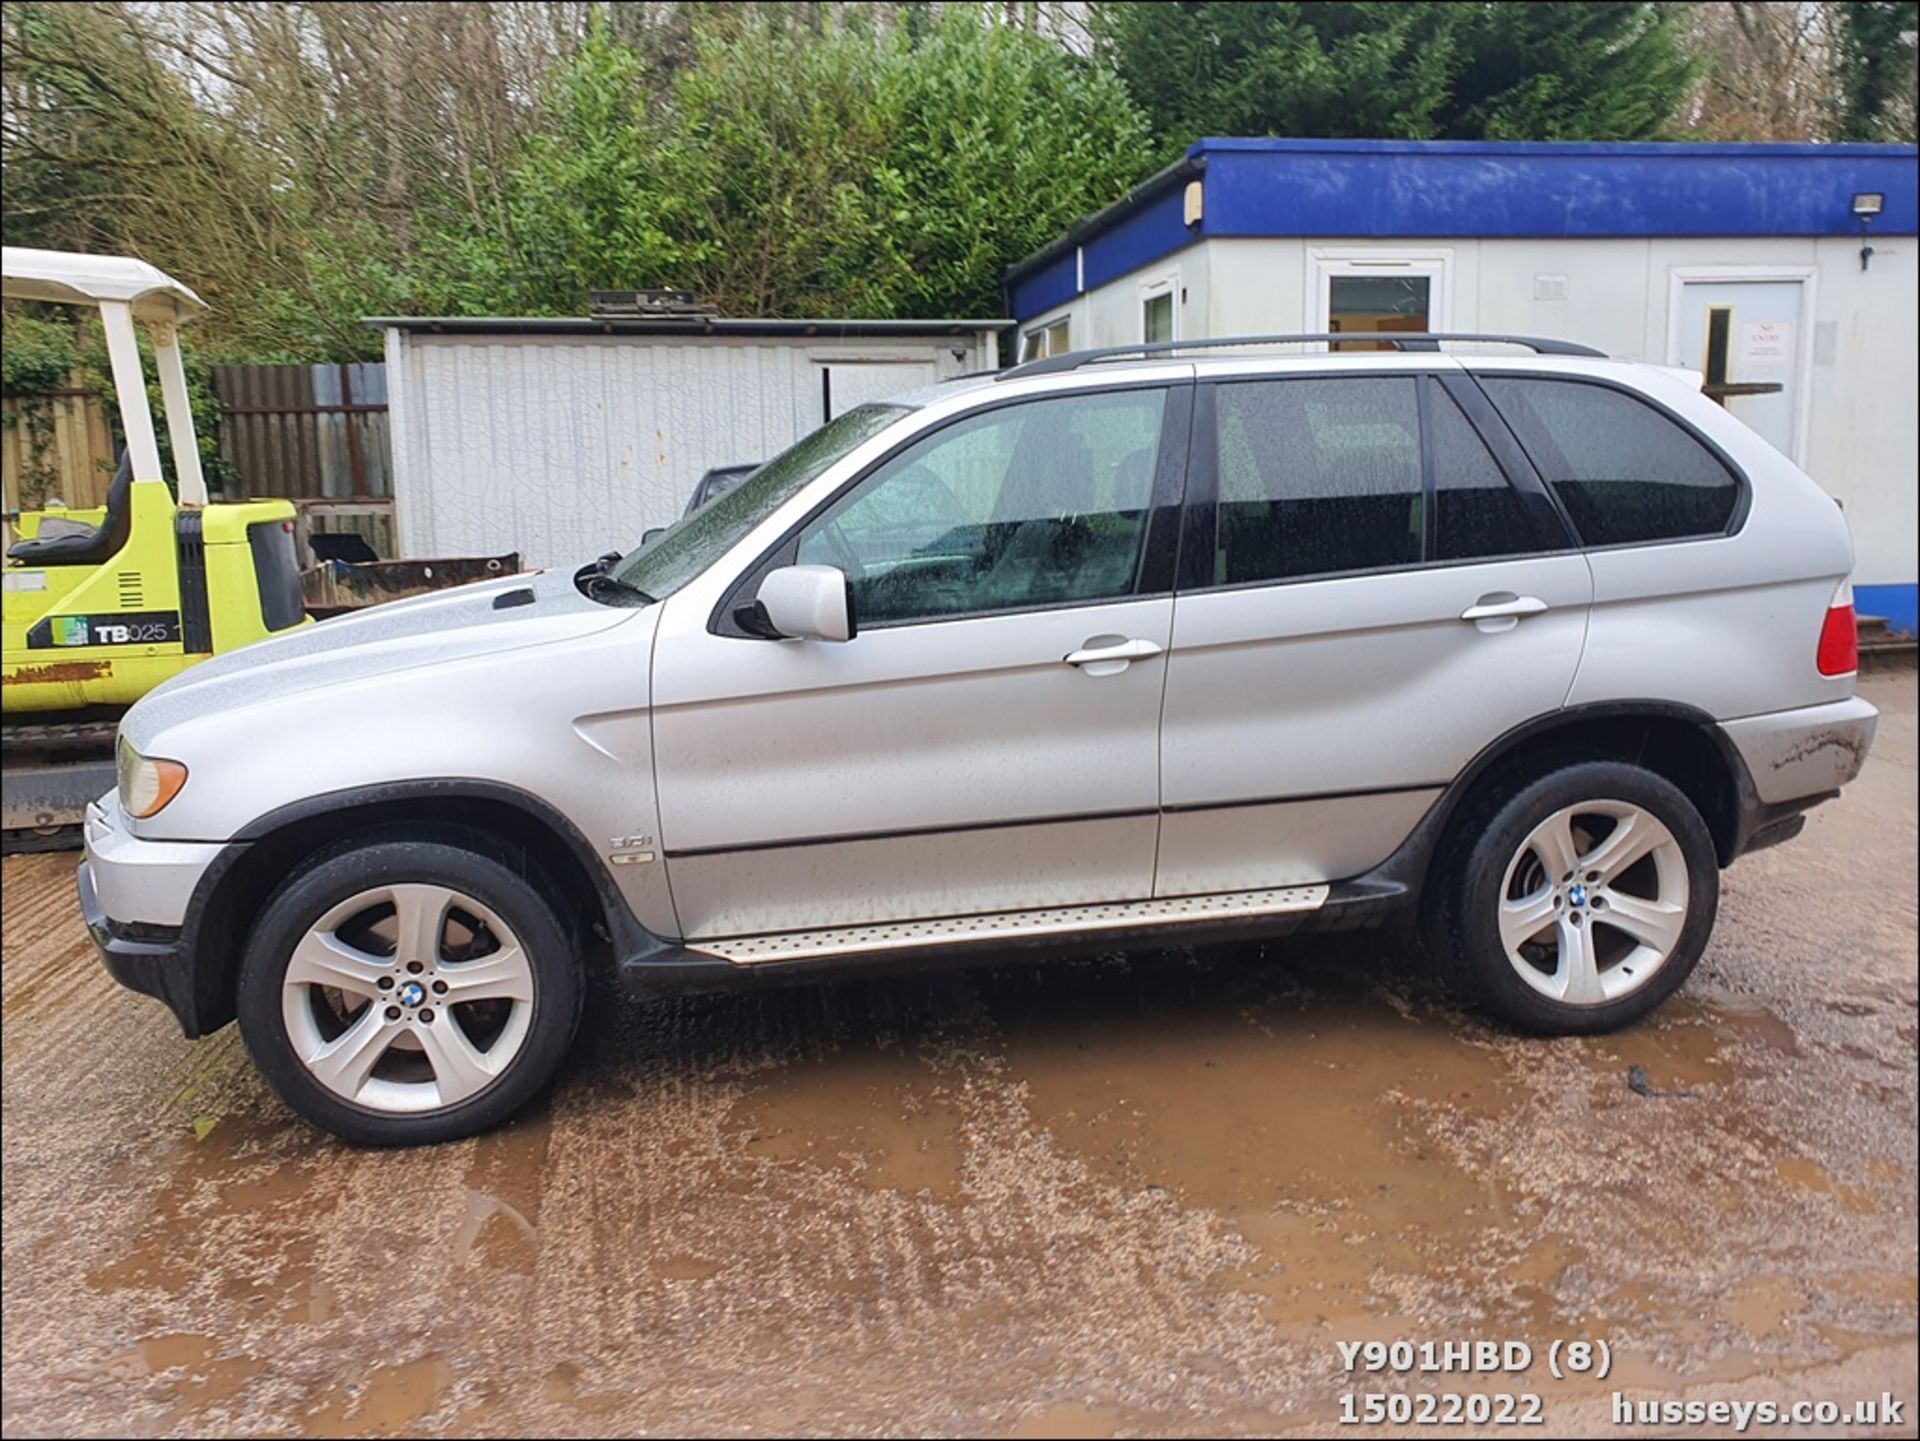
1475, 511
1317, 476
1037, 504
1624, 471
276, 571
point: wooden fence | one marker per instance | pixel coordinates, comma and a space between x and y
55, 446
306, 431
316, 435
313, 434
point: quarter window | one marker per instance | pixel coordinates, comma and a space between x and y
1043, 503
1624, 471
1317, 476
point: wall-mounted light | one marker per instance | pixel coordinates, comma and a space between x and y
1866, 205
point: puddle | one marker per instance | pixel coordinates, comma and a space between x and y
1897, 1290
1315, 1125
561, 1387
393, 1398
873, 1115
1069, 1419
1633, 1371
188, 1366
686, 1268
1693, 1043
164, 1352
1811, 1176
245, 1172
500, 1229
1762, 1305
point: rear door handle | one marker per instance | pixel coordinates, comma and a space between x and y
1105, 655
1503, 605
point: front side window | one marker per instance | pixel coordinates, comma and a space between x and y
1040, 503
1624, 471
1317, 476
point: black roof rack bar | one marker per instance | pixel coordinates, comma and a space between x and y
1403, 340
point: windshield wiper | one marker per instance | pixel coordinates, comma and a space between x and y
597, 582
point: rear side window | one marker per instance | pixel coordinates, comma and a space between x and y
1475, 511
1317, 476
1625, 471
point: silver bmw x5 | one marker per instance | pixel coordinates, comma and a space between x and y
1513, 643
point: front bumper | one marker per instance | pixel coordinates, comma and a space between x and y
138, 900
149, 959
147, 882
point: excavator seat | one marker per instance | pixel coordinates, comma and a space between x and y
90, 547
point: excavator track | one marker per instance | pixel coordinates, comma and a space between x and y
49, 770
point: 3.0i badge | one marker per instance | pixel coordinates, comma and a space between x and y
631, 850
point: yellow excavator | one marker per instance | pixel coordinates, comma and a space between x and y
103, 605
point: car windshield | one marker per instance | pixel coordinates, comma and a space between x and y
662, 565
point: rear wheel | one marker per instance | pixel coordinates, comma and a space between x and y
408, 991
1583, 899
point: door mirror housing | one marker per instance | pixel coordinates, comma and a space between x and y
801, 602
649, 536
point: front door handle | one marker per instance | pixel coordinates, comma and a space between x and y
1502, 610
1109, 655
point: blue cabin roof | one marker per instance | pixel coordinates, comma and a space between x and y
1432, 189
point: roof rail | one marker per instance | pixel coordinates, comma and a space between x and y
1403, 340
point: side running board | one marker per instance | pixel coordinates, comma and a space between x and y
1172, 913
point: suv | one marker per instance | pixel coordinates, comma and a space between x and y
1157, 647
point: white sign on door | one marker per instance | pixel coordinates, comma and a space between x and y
1767, 343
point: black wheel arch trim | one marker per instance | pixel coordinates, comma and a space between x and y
1409, 864
205, 1004
620, 918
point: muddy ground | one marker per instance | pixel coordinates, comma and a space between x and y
1100, 1197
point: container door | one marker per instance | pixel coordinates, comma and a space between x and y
1745, 339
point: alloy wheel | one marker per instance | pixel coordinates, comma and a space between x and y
408, 998
1594, 902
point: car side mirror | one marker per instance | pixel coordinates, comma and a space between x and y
801, 602
648, 537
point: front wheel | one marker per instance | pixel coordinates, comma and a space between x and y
1583, 900
407, 991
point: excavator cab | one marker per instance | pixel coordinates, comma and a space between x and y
102, 606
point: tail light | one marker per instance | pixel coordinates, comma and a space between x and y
1839, 652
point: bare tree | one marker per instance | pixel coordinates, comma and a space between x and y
1769, 70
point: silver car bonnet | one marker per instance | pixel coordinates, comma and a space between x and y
400, 635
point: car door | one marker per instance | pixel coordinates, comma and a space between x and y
988, 740
1374, 587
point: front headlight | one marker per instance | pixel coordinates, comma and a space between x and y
147, 785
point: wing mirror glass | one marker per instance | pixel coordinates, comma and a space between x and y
801, 602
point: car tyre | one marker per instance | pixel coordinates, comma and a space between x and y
403, 991
1578, 894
